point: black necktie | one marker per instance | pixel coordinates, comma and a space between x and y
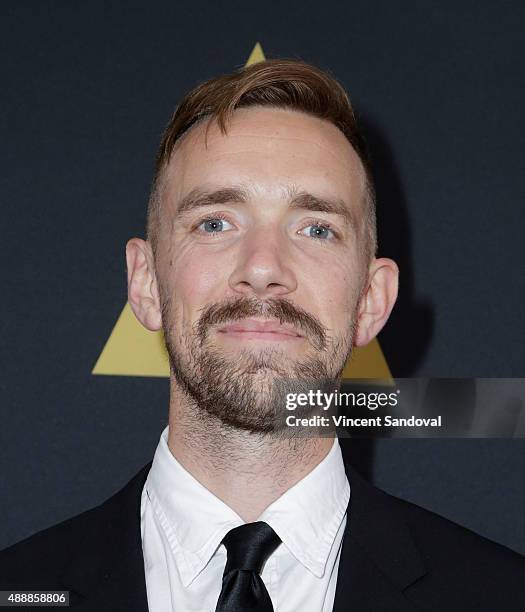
248, 547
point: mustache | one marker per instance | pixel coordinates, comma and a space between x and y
277, 308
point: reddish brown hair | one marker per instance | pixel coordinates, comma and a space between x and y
281, 83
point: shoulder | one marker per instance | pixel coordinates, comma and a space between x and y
462, 565
444, 541
40, 559
437, 563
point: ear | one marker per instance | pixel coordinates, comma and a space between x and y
377, 300
143, 292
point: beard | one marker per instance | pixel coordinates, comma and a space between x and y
247, 389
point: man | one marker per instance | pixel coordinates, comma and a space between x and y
260, 267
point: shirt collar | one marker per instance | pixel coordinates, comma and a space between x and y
306, 517
193, 518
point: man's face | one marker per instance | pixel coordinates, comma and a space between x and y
260, 263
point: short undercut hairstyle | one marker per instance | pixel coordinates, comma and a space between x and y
279, 83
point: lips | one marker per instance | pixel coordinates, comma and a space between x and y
256, 327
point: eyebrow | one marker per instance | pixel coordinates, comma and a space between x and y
308, 201
197, 198
298, 200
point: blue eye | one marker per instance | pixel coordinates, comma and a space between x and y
319, 231
213, 226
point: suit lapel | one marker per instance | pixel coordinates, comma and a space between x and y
108, 572
378, 558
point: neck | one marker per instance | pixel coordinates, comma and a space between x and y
247, 471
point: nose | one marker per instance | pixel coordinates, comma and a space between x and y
263, 268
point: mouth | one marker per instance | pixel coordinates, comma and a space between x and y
257, 329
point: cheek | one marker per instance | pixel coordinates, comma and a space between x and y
334, 294
195, 281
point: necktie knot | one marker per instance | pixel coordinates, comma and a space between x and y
249, 546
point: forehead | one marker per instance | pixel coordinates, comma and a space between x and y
268, 148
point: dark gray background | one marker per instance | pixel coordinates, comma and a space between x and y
86, 91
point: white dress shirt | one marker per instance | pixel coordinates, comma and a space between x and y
183, 524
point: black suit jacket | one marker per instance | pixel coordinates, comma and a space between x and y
395, 556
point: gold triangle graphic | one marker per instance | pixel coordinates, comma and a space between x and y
132, 350
257, 55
